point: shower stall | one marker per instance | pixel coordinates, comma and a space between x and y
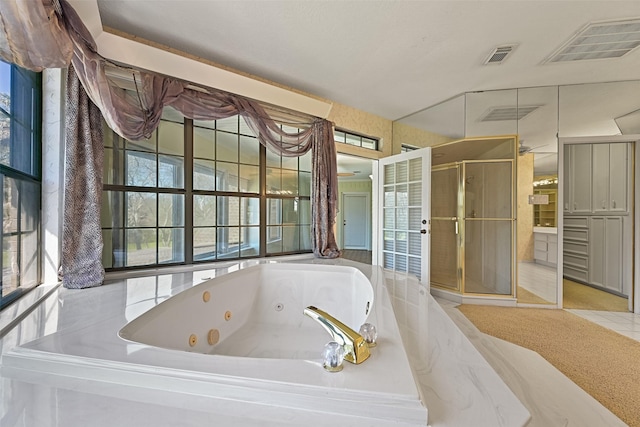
473, 223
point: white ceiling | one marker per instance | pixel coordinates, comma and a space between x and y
390, 58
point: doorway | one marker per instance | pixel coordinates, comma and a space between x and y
598, 223
356, 220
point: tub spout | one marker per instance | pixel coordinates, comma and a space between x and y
355, 347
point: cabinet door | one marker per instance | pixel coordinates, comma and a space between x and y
613, 253
597, 249
568, 179
580, 171
601, 177
618, 176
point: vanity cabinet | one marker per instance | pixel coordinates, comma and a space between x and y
545, 246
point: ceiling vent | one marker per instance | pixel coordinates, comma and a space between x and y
499, 54
600, 41
495, 114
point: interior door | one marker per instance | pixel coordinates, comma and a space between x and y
403, 234
355, 223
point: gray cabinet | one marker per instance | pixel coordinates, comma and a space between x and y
610, 177
578, 160
597, 243
576, 248
606, 258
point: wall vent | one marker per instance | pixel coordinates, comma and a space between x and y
496, 114
499, 54
602, 40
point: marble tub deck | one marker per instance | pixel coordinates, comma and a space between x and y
456, 383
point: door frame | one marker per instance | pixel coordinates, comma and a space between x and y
367, 245
634, 139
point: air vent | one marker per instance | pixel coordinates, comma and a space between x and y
499, 54
602, 40
495, 114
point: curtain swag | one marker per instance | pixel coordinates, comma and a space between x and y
35, 36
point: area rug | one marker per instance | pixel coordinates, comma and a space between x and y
585, 297
600, 361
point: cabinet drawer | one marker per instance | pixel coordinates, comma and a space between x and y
576, 221
539, 237
552, 238
576, 248
540, 246
576, 261
540, 255
578, 235
575, 273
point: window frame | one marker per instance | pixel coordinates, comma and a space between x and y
24, 262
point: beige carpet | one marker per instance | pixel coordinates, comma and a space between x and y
603, 363
585, 297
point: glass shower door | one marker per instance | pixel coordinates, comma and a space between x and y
445, 227
488, 227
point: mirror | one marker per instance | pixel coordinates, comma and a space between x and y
538, 116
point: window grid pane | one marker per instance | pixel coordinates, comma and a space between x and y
148, 227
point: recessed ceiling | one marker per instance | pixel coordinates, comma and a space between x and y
389, 58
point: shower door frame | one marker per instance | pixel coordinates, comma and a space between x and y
461, 220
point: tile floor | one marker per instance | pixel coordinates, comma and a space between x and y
541, 280
627, 324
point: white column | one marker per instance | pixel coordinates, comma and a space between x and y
52, 170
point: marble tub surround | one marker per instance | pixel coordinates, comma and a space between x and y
382, 389
43, 383
550, 397
459, 386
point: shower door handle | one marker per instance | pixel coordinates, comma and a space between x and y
456, 227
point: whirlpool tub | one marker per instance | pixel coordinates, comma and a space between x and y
257, 312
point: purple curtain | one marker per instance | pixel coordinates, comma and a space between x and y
84, 154
24, 42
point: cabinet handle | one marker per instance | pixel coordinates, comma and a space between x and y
575, 206
604, 204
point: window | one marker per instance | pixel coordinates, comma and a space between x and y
20, 136
349, 138
195, 191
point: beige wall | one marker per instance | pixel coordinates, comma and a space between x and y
525, 210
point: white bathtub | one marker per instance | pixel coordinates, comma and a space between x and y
257, 312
